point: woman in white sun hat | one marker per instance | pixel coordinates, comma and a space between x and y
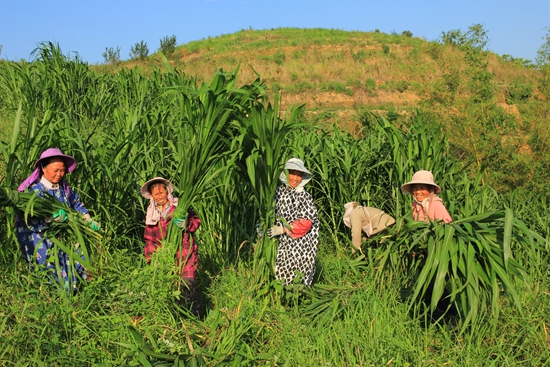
427, 206
297, 226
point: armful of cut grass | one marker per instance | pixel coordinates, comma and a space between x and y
33, 205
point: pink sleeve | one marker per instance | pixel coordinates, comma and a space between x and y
439, 212
193, 221
299, 228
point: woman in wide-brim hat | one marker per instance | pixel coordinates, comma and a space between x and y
48, 178
427, 205
162, 204
297, 225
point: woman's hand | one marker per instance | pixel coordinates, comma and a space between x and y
276, 231
181, 222
59, 217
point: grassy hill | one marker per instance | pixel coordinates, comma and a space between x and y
494, 109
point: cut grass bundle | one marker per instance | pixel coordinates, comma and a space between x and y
467, 264
75, 230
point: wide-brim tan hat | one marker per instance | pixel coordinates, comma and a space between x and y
421, 177
145, 188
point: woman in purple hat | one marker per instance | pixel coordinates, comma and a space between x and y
48, 177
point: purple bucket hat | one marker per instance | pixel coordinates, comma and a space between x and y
70, 165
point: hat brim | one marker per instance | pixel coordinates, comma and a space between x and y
70, 162
407, 188
145, 188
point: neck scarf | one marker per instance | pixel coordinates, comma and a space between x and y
37, 176
154, 214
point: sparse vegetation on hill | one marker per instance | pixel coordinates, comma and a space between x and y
494, 109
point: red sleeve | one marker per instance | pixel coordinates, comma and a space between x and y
193, 221
299, 228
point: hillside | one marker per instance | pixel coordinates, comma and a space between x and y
339, 72
493, 109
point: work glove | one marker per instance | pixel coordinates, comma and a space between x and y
95, 225
181, 222
58, 217
275, 231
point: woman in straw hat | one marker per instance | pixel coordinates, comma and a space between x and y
162, 204
297, 226
427, 206
48, 177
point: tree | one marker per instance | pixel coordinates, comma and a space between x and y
475, 38
139, 50
543, 62
543, 53
168, 45
111, 56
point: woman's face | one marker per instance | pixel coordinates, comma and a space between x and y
294, 177
159, 193
54, 171
421, 191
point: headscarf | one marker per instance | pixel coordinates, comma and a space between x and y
70, 165
153, 214
298, 165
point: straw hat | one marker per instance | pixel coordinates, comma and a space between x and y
70, 162
145, 188
377, 220
421, 177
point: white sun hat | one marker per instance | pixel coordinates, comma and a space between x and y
298, 165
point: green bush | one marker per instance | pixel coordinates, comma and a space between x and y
370, 84
402, 86
111, 56
168, 45
279, 57
518, 91
139, 50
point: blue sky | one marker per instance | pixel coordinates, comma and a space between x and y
515, 28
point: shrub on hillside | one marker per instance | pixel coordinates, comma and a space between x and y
518, 91
168, 45
111, 56
139, 50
